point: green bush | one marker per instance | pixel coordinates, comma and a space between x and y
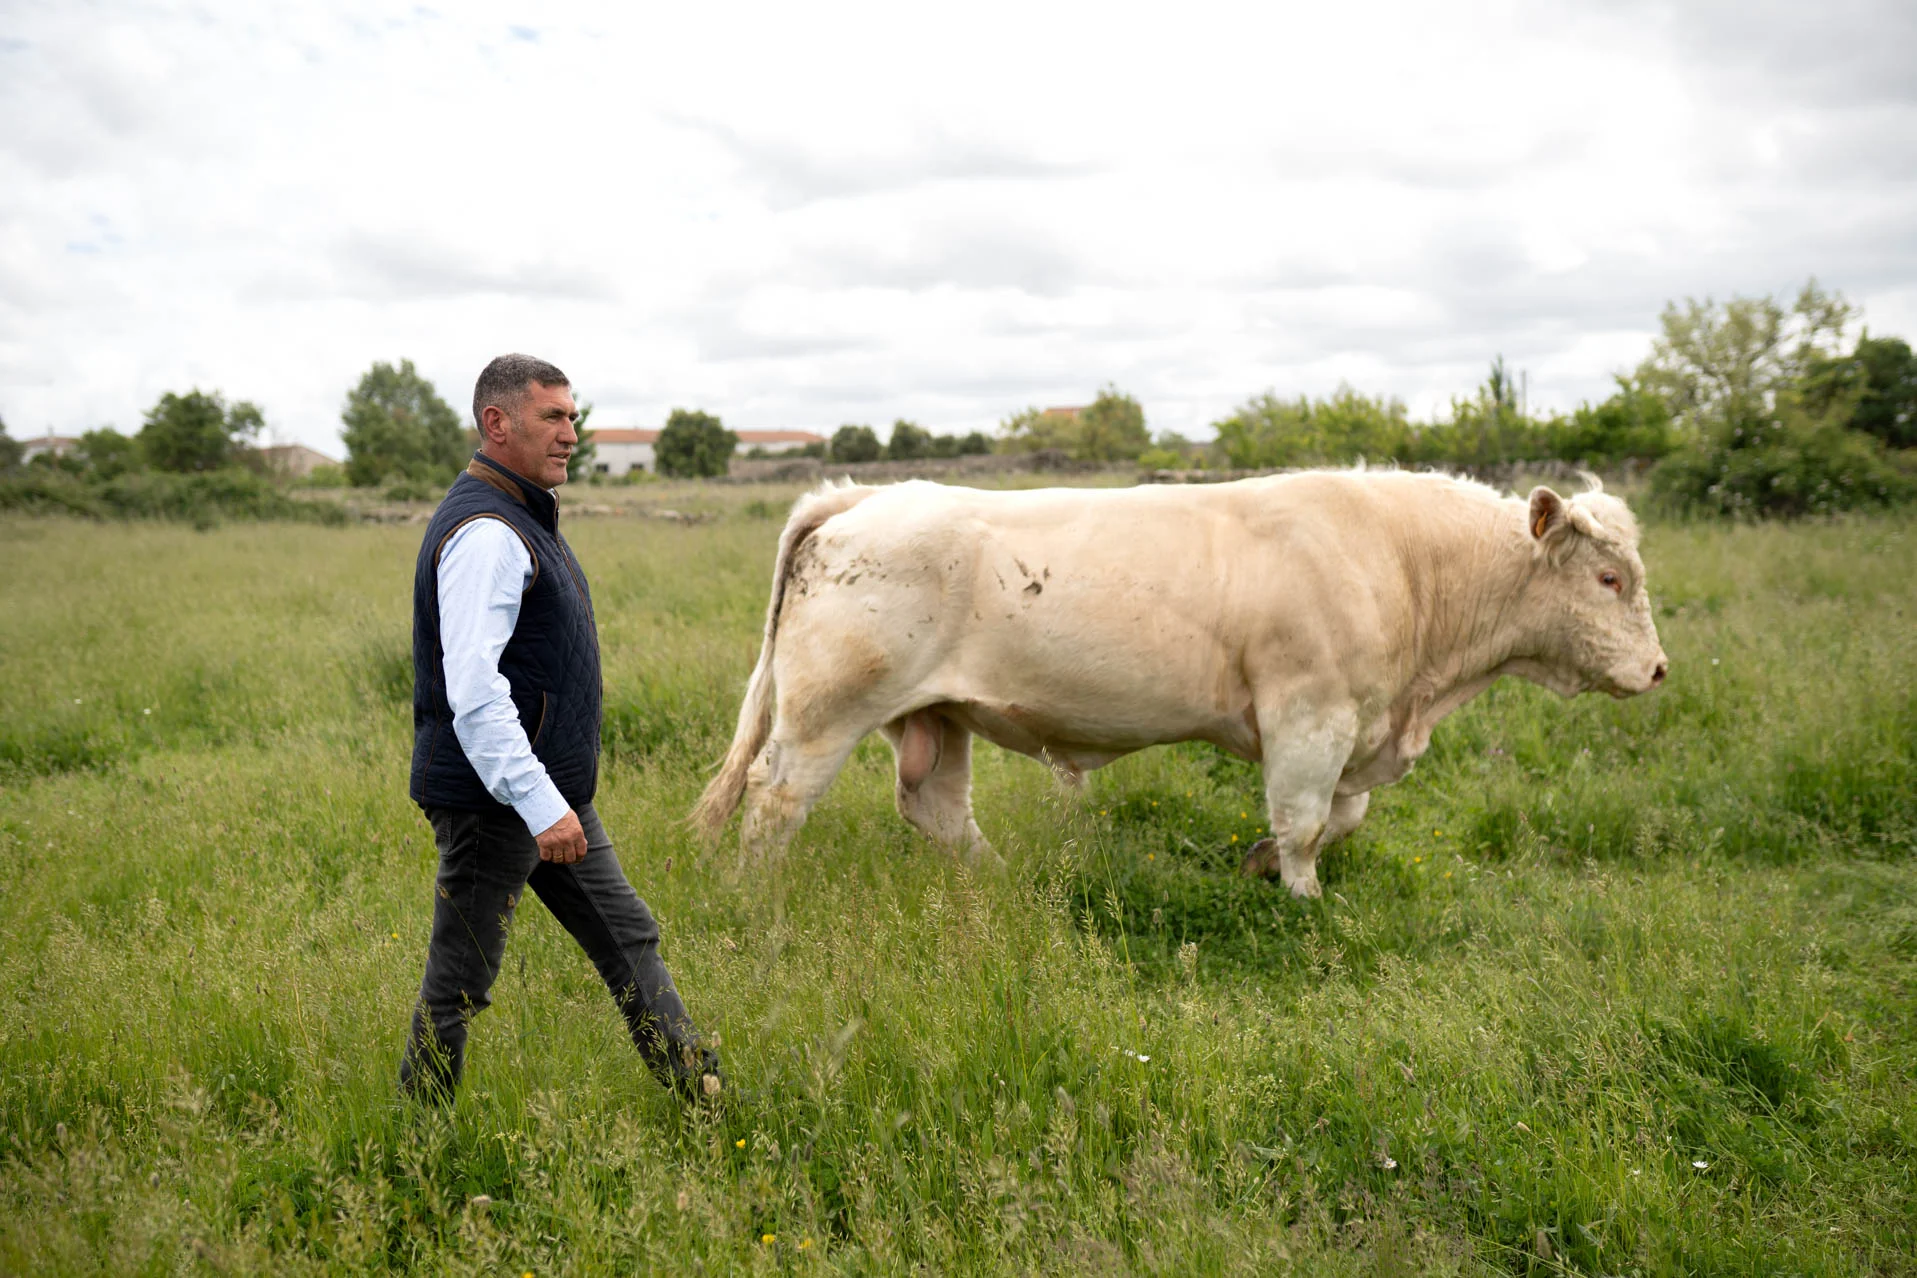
195, 432
1269, 431
854, 443
203, 497
323, 476
397, 427
910, 441
694, 445
1785, 465
1632, 425
1110, 428
413, 490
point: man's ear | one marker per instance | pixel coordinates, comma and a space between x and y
492, 420
1548, 515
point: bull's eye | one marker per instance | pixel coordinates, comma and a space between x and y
1611, 582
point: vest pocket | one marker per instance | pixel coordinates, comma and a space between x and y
534, 710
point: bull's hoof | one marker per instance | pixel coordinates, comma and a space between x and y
1306, 889
980, 855
1262, 861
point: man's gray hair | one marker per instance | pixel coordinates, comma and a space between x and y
504, 380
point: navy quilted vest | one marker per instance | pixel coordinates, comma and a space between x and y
551, 662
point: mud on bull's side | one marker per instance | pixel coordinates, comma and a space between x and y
1320, 623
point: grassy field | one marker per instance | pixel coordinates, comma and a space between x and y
1602, 987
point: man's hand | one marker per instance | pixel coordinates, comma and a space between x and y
564, 841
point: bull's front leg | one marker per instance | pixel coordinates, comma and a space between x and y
1304, 755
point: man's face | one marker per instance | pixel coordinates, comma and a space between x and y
535, 437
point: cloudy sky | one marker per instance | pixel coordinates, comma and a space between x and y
803, 215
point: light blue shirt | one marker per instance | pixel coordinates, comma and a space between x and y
484, 570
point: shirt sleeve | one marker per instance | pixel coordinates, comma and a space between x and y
484, 569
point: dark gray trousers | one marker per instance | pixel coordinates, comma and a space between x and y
486, 862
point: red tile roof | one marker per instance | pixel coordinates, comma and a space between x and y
779, 437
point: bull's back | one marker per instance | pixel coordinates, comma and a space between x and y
1125, 613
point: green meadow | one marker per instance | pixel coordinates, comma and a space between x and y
1602, 987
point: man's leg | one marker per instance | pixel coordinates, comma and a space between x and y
484, 859
594, 901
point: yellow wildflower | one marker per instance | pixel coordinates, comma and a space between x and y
768, 1239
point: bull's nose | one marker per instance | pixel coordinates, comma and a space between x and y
1657, 675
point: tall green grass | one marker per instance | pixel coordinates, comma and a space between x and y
1602, 987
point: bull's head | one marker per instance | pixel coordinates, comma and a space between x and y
1591, 625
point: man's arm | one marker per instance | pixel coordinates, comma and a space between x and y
483, 572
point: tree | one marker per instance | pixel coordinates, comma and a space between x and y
1268, 431
107, 454
693, 445
1886, 404
196, 431
1038, 430
1171, 451
971, 444
1631, 424
909, 441
1713, 364
852, 443
1112, 428
10, 450
579, 465
398, 427
1780, 464
1488, 428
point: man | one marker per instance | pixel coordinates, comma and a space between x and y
506, 708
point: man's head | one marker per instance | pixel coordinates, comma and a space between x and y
525, 413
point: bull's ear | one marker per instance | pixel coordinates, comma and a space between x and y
1548, 513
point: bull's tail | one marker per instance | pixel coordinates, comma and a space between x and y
723, 792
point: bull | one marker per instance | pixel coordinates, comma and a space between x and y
1320, 624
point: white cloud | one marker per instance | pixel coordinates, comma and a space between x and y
802, 215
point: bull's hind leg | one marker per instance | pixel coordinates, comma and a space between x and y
935, 781
1347, 810
784, 782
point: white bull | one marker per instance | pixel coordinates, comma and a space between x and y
1320, 623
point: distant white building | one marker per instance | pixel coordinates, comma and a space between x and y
618, 450
58, 445
295, 461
